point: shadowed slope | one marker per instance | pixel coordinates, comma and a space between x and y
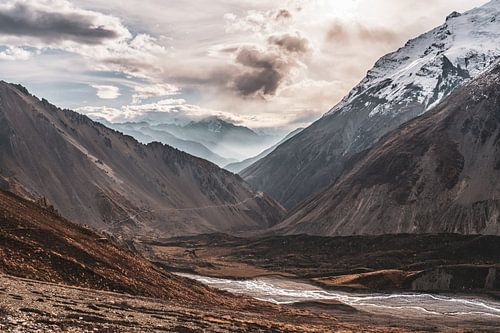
98, 176
437, 173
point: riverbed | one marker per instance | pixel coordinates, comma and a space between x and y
280, 290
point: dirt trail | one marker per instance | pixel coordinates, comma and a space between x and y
237, 204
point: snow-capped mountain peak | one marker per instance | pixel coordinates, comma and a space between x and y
432, 65
401, 86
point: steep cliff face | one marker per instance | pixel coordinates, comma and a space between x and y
401, 86
438, 173
97, 176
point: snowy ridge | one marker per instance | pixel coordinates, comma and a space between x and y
429, 67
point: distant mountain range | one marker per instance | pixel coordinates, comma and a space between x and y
239, 166
97, 176
401, 86
213, 139
439, 173
146, 133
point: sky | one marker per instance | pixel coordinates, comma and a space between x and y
261, 64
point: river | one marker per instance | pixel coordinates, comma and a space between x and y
406, 305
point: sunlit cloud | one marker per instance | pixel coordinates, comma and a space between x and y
258, 63
107, 92
169, 110
153, 90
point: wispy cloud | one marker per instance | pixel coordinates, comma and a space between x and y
107, 92
142, 93
14, 53
355, 32
169, 110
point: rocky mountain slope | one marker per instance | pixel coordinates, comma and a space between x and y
438, 173
38, 244
97, 176
401, 86
239, 166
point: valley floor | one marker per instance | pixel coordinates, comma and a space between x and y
439, 262
352, 264
31, 306
458, 267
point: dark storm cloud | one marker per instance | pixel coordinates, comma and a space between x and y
290, 43
21, 20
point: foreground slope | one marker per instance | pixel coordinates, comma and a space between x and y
97, 176
401, 86
38, 244
437, 173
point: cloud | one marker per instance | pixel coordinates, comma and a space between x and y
169, 110
257, 20
154, 90
145, 49
57, 21
101, 39
101, 112
337, 32
377, 34
265, 70
107, 92
342, 32
283, 14
290, 43
14, 53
